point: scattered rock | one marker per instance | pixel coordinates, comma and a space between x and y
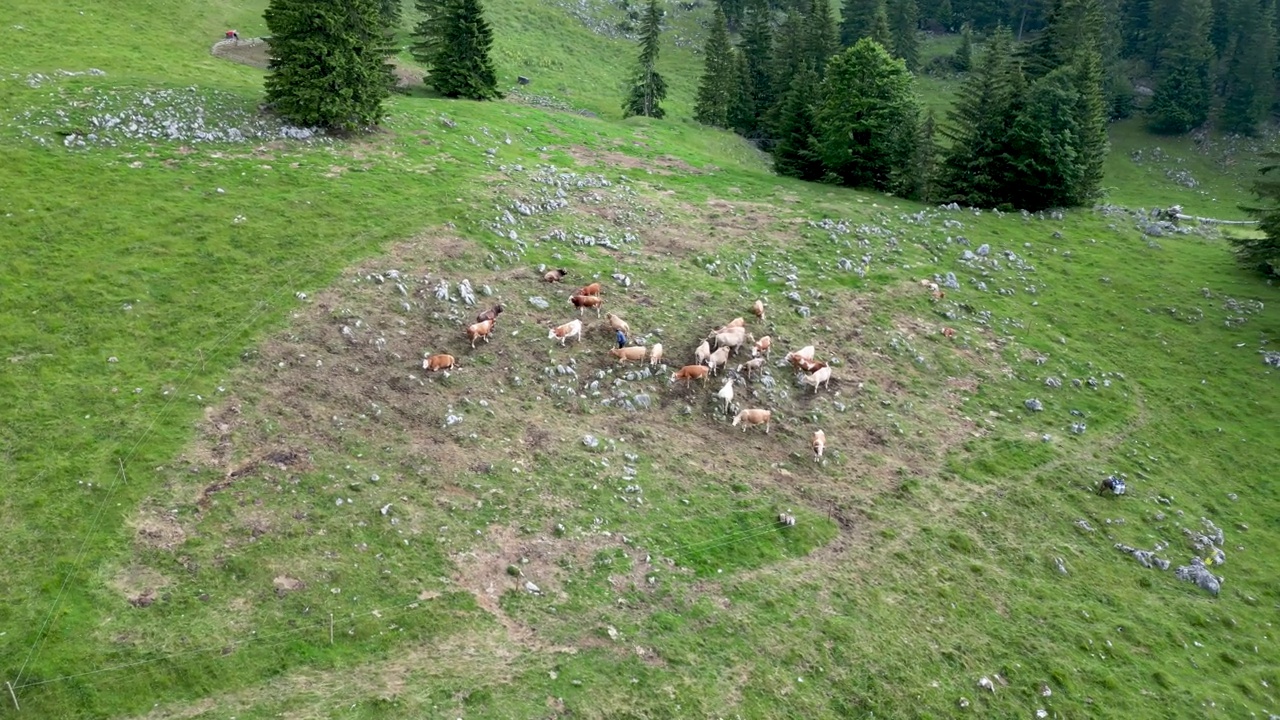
1197, 573
590, 441
984, 250
528, 585
1034, 405
1053, 382
539, 302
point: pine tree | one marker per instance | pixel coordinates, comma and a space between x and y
1041, 146
453, 41
867, 119
757, 49
328, 62
925, 166
717, 88
1089, 142
1263, 253
390, 12
904, 19
733, 12
742, 110
976, 168
1248, 80
821, 36
795, 155
648, 89
1183, 93
963, 58
864, 18
788, 56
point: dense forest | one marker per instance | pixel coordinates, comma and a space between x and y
834, 100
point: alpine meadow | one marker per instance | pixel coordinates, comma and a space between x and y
639, 359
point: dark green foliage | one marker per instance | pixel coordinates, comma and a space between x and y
977, 167
867, 119
963, 59
1220, 30
390, 13
787, 58
1183, 95
1263, 254
865, 19
1074, 26
904, 19
757, 50
742, 109
733, 12
925, 168
821, 37
328, 62
453, 41
718, 86
648, 89
1089, 132
1041, 145
1248, 81
795, 154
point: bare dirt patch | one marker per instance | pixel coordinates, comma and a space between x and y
139, 584
660, 165
256, 52
157, 529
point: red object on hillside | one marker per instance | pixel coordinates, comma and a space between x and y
232, 35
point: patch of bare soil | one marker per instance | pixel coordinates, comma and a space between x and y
256, 52
157, 529
660, 165
140, 585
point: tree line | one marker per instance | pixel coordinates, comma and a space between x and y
837, 103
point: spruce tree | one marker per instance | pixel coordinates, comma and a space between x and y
925, 166
733, 12
742, 110
757, 49
457, 51
390, 12
328, 62
1183, 94
867, 119
1089, 142
1263, 253
1041, 146
864, 18
648, 89
821, 36
904, 17
788, 56
963, 58
976, 168
428, 31
794, 154
717, 88
1248, 79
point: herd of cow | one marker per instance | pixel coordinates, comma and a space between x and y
712, 354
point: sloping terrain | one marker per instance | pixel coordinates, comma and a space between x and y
311, 525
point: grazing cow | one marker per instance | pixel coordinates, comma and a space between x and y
819, 376
948, 332
573, 328
702, 353
753, 416
634, 352
807, 365
726, 394
751, 366
555, 276
819, 443
732, 338
490, 314
478, 331
805, 353
655, 354
435, 363
762, 346
718, 359
592, 289
938, 294
758, 309
617, 323
690, 372
586, 301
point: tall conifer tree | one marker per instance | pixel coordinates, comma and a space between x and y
757, 49
1183, 94
717, 88
795, 154
1248, 77
459, 65
648, 88
904, 19
821, 36
865, 18
976, 168
328, 63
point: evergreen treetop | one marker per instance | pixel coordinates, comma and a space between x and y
648, 87
716, 90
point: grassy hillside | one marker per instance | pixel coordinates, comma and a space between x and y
309, 525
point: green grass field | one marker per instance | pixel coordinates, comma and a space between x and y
308, 525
